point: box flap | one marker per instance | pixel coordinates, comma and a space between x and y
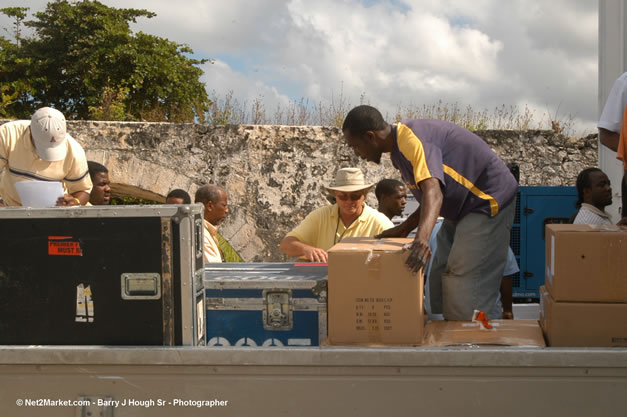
521, 333
562, 228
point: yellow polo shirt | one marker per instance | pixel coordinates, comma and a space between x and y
322, 228
19, 162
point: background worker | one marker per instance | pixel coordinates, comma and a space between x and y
41, 149
101, 192
392, 197
178, 196
504, 304
216, 208
350, 216
454, 174
594, 193
611, 122
225, 250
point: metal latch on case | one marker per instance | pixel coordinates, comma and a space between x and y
141, 286
277, 312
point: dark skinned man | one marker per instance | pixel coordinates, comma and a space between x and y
454, 174
392, 197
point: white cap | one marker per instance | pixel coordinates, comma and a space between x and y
47, 126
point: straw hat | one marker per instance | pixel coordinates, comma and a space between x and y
348, 180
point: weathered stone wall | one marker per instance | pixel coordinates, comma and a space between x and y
275, 175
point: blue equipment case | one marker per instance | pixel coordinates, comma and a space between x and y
266, 304
535, 208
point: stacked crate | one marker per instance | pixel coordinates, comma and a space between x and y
584, 300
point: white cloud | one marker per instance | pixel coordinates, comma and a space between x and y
483, 53
221, 79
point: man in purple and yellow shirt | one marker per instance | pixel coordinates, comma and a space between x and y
454, 174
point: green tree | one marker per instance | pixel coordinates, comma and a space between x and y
19, 14
13, 86
84, 60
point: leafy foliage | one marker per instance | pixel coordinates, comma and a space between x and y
84, 60
131, 201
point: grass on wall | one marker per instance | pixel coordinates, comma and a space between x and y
228, 110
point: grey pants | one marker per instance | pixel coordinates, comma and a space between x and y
468, 264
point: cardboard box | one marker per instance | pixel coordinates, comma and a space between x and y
373, 298
570, 324
521, 333
586, 263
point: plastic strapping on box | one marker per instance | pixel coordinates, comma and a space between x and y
474, 325
552, 271
372, 255
368, 258
373, 261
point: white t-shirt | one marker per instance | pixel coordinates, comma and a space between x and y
612, 115
588, 214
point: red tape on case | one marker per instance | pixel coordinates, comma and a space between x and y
62, 245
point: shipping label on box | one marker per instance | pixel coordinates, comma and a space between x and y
586, 263
373, 297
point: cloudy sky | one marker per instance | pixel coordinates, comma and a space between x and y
395, 53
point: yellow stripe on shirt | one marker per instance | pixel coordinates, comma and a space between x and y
411, 147
494, 206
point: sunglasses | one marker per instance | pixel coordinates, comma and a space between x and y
352, 196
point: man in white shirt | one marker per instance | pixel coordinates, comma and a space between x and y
216, 208
595, 193
610, 124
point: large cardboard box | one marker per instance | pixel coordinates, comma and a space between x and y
570, 324
373, 298
520, 333
586, 263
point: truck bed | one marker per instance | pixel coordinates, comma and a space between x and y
323, 381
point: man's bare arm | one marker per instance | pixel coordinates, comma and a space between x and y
432, 198
609, 138
291, 246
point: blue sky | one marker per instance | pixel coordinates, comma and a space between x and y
484, 53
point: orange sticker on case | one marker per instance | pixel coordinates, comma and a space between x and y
59, 245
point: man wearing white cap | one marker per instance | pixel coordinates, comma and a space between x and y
326, 226
41, 150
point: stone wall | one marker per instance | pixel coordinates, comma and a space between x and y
275, 175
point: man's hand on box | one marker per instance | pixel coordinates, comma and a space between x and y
315, 254
419, 255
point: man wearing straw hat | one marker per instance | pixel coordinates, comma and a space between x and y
350, 216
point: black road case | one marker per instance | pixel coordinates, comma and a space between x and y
115, 275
